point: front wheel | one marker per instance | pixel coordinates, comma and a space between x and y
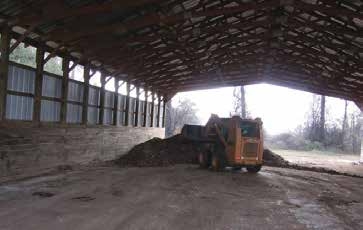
217, 163
254, 168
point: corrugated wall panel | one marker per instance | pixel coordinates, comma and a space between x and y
93, 115
21, 79
50, 111
107, 116
74, 113
19, 108
109, 99
75, 92
94, 96
132, 110
52, 86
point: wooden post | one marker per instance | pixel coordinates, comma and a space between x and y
152, 109
63, 111
86, 76
164, 112
361, 134
127, 109
137, 106
102, 99
158, 113
38, 83
115, 102
145, 110
4, 67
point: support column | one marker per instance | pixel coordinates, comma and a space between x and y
86, 76
361, 135
63, 111
38, 83
127, 109
145, 110
115, 102
137, 106
152, 110
102, 99
164, 109
158, 113
4, 67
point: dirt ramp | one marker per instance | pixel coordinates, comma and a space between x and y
161, 152
272, 159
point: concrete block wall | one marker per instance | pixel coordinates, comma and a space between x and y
26, 150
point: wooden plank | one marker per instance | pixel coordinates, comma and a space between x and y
38, 83
4, 66
102, 98
127, 108
86, 76
115, 105
63, 111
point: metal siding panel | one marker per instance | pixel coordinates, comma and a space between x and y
94, 96
109, 99
74, 113
50, 110
93, 115
19, 108
107, 116
75, 92
52, 86
21, 79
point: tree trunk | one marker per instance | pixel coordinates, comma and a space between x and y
243, 103
322, 120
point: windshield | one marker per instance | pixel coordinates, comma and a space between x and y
250, 129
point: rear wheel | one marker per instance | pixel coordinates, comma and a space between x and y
254, 168
203, 160
217, 163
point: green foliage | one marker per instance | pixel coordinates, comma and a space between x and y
22, 55
26, 56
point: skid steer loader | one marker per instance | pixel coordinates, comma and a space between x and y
232, 142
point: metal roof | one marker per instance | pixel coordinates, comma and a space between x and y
172, 46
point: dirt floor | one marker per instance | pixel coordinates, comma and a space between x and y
345, 163
182, 197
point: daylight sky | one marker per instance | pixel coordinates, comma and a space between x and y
281, 109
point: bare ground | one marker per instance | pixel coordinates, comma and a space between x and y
344, 163
182, 197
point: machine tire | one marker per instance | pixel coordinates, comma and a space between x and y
254, 168
203, 160
217, 163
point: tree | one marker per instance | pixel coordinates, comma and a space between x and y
322, 120
239, 102
177, 117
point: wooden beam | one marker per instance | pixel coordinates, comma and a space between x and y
21, 38
136, 123
158, 113
86, 76
115, 104
144, 123
152, 109
102, 98
164, 112
127, 108
63, 111
4, 66
38, 83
